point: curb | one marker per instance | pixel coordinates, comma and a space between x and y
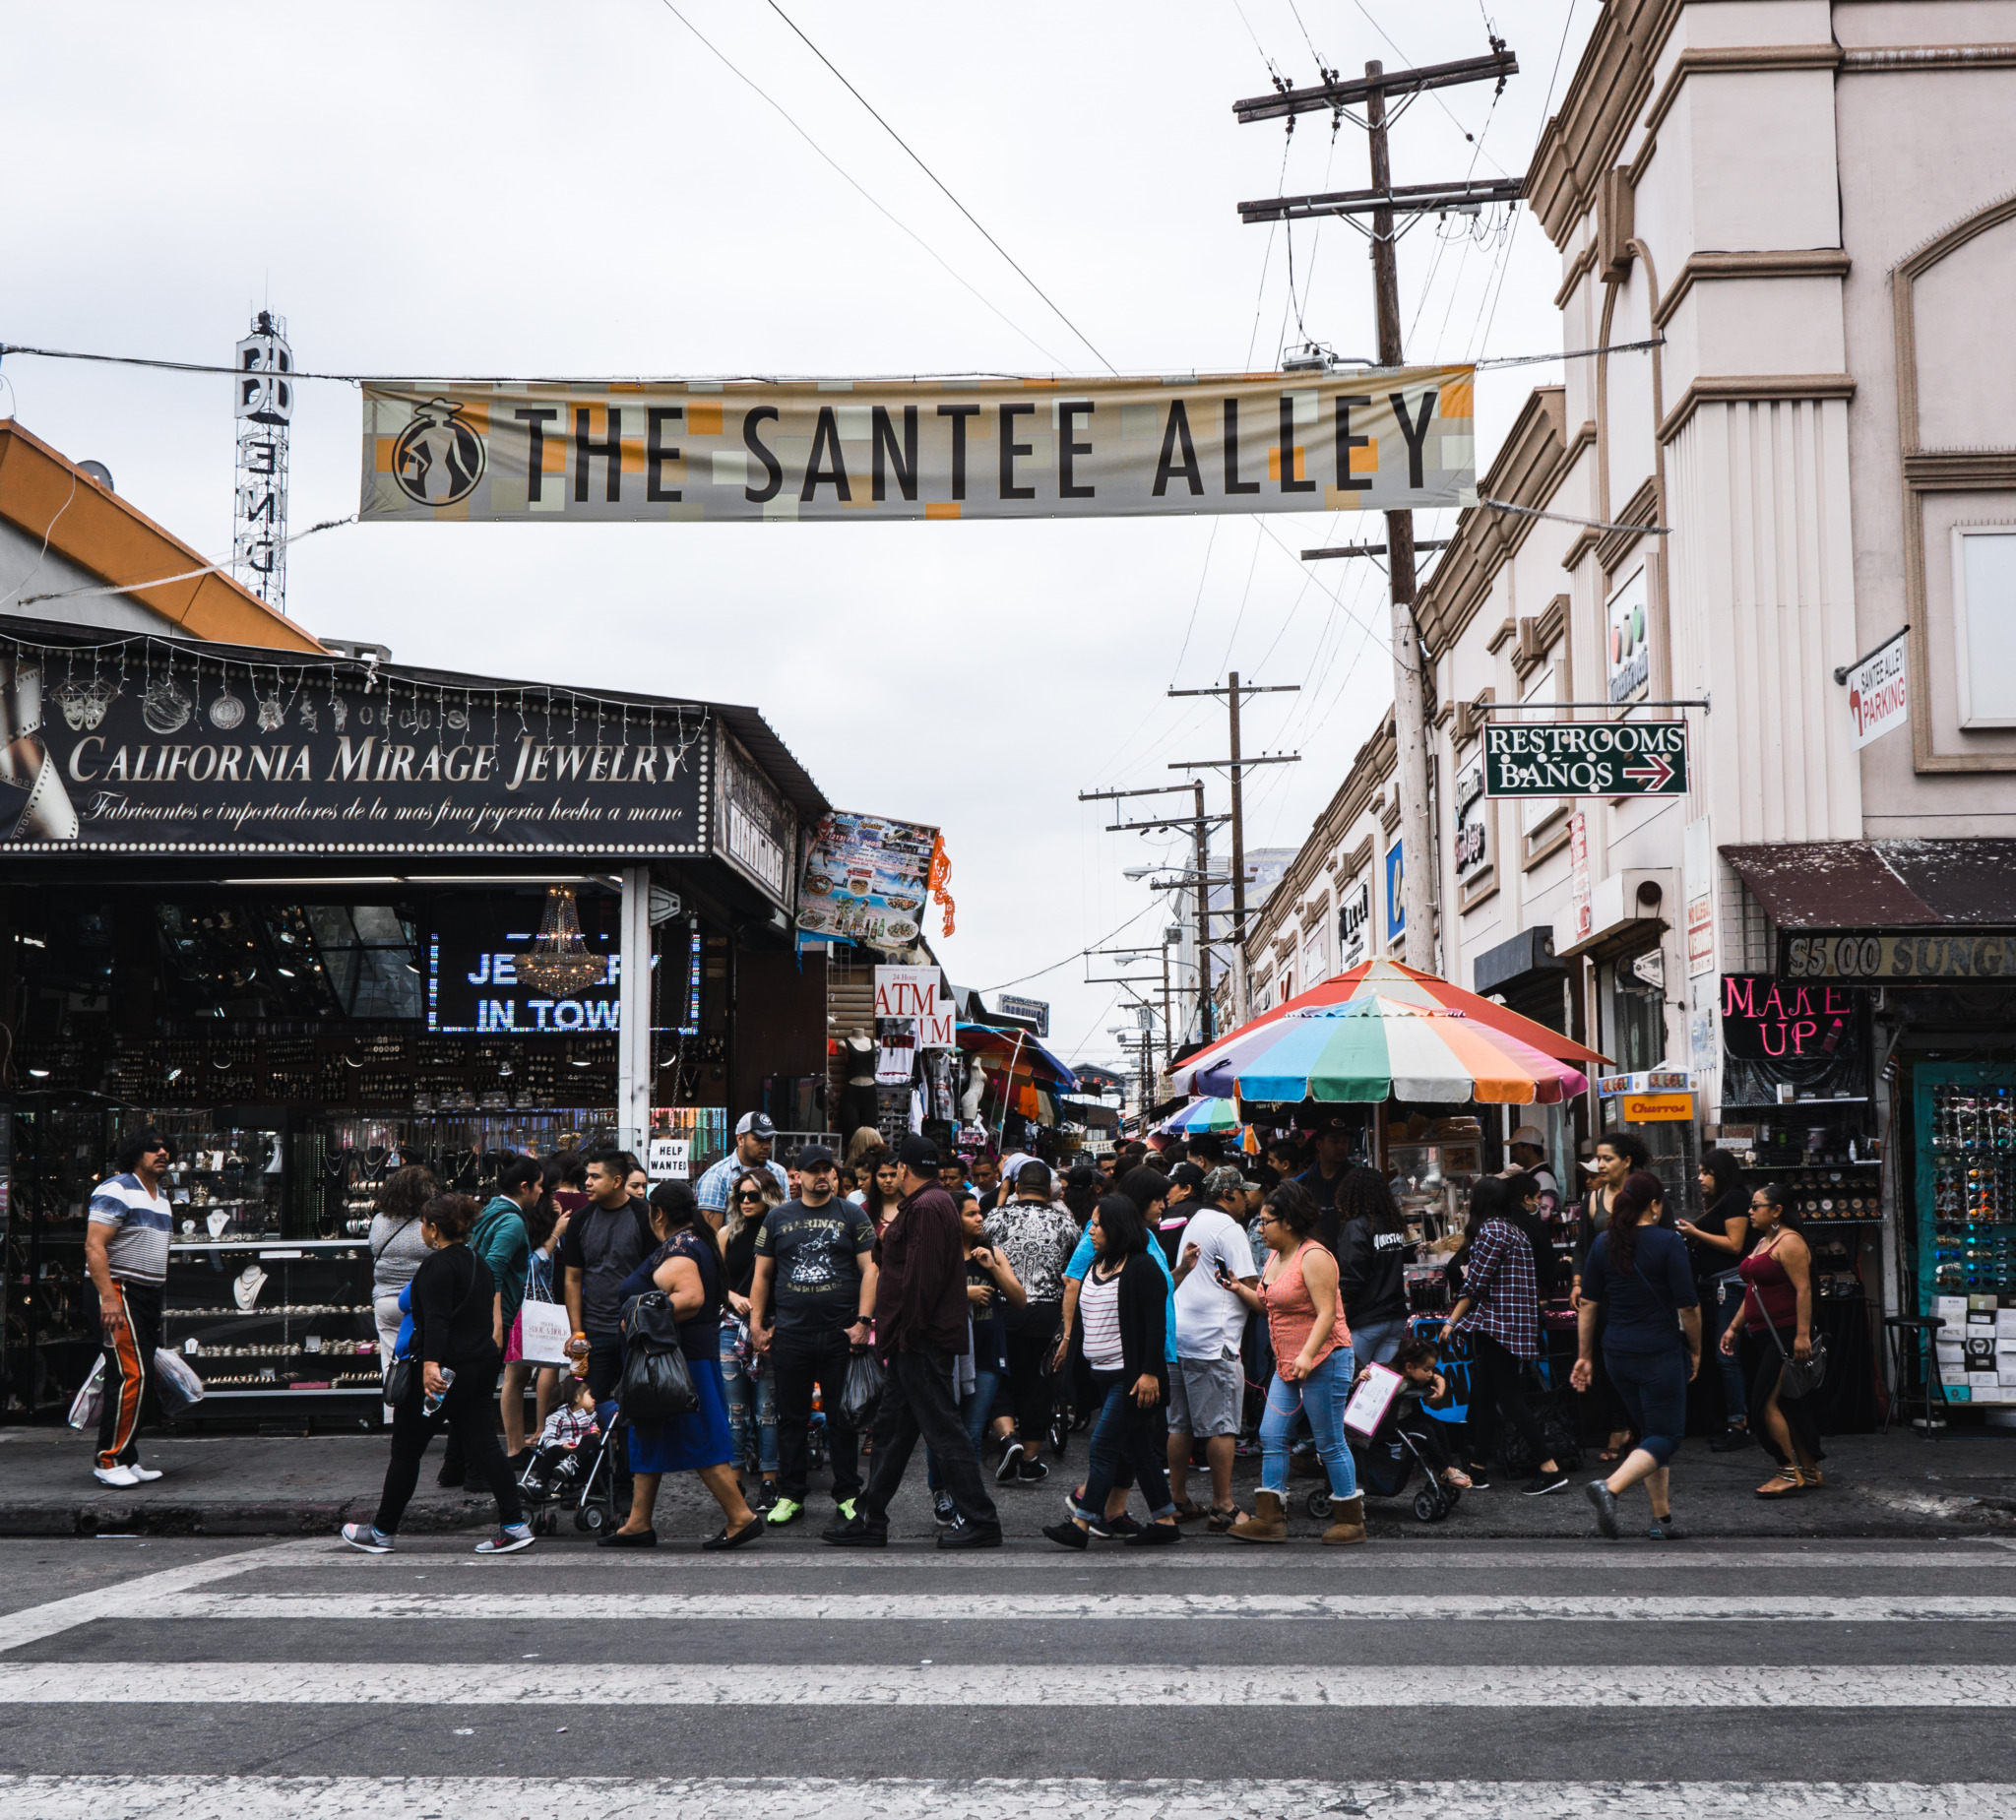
91, 1517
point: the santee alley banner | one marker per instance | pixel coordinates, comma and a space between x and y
922, 449
144, 748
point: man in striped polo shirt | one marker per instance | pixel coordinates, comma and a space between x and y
126, 1254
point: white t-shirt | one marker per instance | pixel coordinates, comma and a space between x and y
1210, 1320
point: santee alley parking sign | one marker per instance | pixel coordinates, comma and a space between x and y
1586, 758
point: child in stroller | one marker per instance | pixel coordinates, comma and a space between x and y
1407, 1437
565, 1454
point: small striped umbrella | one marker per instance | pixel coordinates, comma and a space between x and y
1373, 1048
1204, 1114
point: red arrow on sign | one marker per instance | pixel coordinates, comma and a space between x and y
1656, 773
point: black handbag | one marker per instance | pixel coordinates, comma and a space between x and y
657, 1383
1796, 1377
399, 1380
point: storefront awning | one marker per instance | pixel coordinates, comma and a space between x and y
1016, 1050
1882, 884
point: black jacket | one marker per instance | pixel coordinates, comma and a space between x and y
1369, 1266
1546, 1265
1144, 1326
452, 1305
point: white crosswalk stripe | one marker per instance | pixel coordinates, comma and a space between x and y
485, 1798
1056, 1607
745, 1685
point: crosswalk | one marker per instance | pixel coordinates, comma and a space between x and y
1523, 1682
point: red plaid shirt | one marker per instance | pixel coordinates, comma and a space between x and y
1497, 1279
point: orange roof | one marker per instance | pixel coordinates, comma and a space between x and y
100, 532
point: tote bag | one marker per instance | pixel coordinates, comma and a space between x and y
543, 1334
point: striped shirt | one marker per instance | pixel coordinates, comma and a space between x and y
1098, 1307
1497, 1277
138, 1249
712, 1189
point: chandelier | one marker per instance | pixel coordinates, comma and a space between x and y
560, 962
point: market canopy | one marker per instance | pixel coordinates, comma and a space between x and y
1373, 1048
1014, 1051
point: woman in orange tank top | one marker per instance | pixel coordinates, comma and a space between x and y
1304, 1311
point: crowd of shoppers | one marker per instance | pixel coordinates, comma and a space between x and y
1177, 1311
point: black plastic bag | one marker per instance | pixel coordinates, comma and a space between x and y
862, 1393
657, 1384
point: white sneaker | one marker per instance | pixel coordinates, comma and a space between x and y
123, 1476
145, 1472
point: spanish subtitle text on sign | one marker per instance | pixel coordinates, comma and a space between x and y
1586, 758
1372, 440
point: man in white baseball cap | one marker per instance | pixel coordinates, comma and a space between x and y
754, 1135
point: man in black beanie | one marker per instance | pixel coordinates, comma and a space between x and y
921, 1330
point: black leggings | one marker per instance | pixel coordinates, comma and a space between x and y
1762, 1366
1498, 1395
466, 1413
1032, 1333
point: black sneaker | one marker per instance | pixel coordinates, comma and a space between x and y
1154, 1536
1541, 1484
963, 1535
1605, 1502
1479, 1477
1114, 1528
765, 1499
944, 1513
856, 1533
1731, 1440
1011, 1463
1032, 1472
1066, 1535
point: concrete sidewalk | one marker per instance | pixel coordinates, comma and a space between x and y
1963, 1483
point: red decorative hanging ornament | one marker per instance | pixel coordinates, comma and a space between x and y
940, 871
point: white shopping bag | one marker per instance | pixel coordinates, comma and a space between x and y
543, 1334
176, 1382
90, 1400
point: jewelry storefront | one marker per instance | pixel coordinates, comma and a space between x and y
319, 917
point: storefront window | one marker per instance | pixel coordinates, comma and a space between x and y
1636, 1036
369, 953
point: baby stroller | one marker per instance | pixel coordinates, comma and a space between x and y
583, 1478
1386, 1462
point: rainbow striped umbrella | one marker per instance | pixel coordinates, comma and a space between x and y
1204, 1114
1373, 1048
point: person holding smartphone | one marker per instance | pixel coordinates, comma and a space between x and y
1206, 1385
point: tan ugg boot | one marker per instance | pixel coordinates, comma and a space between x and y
1267, 1524
1346, 1522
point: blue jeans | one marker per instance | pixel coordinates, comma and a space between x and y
1728, 1302
1373, 1343
1322, 1395
974, 1411
752, 1399
1123, 1430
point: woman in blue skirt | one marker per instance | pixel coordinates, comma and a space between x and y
687, 1267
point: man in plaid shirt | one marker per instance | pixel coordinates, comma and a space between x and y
1499, 1311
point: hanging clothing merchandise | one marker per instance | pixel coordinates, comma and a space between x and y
896, 1063
938, 1075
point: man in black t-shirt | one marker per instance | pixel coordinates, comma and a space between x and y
811, 1304
604, 1242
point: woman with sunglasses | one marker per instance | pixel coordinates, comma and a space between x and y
1778, 1327
746, 1382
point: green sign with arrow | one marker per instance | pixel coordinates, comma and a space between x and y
1586, 758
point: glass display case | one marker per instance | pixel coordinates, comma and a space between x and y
255, 1319
1964, 1127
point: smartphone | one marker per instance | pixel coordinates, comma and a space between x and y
1223, 1273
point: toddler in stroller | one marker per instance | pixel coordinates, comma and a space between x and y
564, 1455
1407, 1437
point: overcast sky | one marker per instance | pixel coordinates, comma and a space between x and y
589, 190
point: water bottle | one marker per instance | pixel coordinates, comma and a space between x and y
432, 1401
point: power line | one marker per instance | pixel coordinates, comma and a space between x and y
1077, 954
936, 178
778, 107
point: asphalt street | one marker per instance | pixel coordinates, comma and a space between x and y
189, 1677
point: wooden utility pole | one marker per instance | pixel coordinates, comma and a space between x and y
1382, 202
1236, 762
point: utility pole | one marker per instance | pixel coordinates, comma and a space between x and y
1234, 693
1382, 202
1200, 825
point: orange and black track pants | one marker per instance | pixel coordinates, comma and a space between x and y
129, 1371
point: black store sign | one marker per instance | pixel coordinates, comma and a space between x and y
142, 748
